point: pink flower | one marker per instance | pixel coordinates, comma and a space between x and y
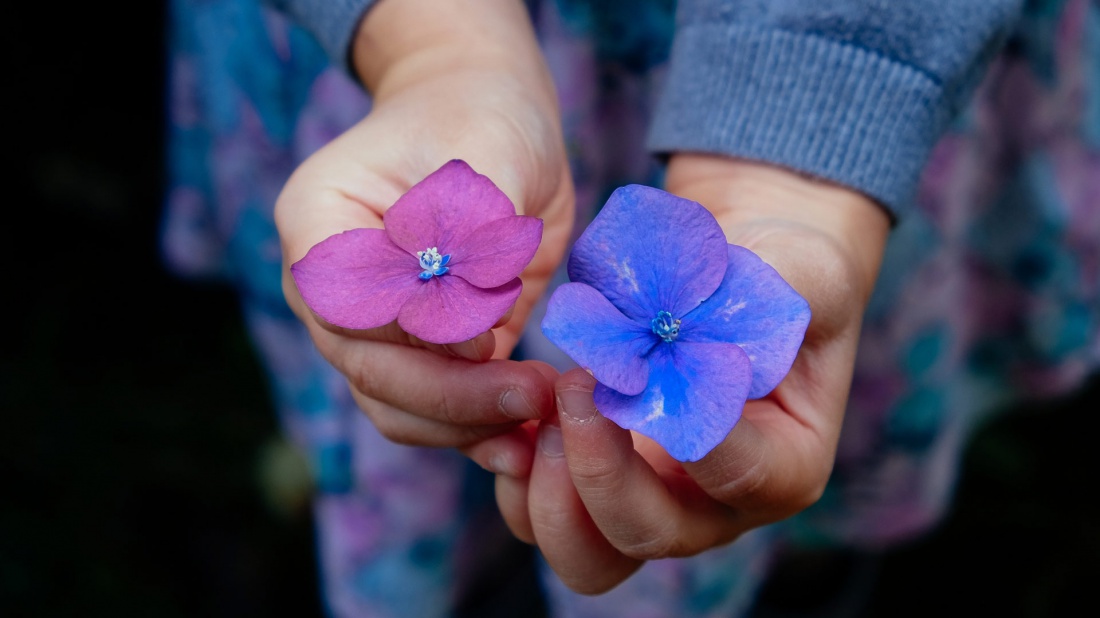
446, 266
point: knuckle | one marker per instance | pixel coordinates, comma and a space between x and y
448, 407
655, 546
647, 538
746, 487
363, 379
596, 480
587, 585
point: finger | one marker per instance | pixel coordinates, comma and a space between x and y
478, 349
511, 493
569, 540
506, 317
450, 390
404, 428
511, 489
509, 454
642, 514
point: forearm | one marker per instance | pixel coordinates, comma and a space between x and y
422, 39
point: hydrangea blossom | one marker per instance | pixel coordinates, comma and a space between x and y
446, 265
678, 327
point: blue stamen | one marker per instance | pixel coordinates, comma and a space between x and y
433, 263
665, 327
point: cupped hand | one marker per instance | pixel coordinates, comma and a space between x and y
447, 83
600, 500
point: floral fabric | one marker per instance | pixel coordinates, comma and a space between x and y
990, 290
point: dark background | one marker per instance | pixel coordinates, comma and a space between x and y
137, 433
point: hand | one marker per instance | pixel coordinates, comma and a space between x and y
601, 500
449, 80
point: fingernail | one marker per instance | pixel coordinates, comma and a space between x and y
515, 404
550, 442
577, 405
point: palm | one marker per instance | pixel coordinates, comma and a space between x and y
621, 497
800, 419
504, 132
352, 181
797, 425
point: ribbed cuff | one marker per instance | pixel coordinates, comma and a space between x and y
333, 23
829, 109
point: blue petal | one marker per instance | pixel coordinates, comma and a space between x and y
649, 251
693, 399
598, 337
759, 311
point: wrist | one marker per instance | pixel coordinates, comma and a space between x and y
404, 42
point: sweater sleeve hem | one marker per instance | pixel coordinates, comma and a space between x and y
825, 108
333, 23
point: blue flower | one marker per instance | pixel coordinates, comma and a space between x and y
679, 327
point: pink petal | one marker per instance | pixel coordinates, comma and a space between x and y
497, 252
446, 206
448, 309
357, 279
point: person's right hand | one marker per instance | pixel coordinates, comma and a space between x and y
449, 80
600, 500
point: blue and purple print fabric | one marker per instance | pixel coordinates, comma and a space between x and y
990, 290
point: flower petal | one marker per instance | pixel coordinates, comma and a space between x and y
357, 279
496, 252
759, 311
447, 205
449, 309
598, 337
650, 251
693, 399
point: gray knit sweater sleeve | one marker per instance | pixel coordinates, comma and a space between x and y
855, 91
332, 22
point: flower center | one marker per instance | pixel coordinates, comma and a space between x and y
665, 327
433, 263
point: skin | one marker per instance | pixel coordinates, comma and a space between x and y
465, 79
601, 501
418, 58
